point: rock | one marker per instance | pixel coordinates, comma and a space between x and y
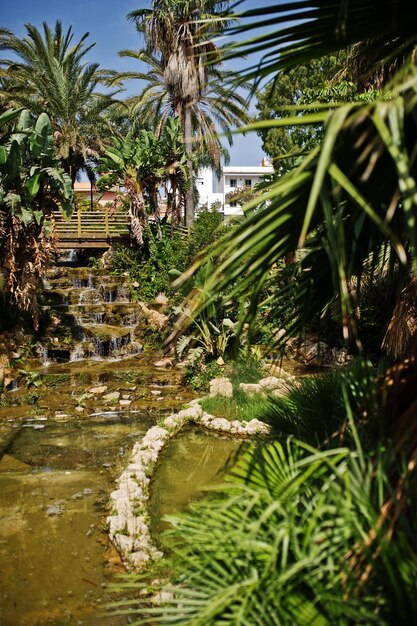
125, 402
194, 402
61, 416
156, 320
251, 388
161, 300
341, 357
111, 397
4, 361
55, 509
270, 382
163, 363
156, 392
221, 387
310, 351
278, 371
221, 424
125, 396
256, 426
193, 412
79, 409
97, 390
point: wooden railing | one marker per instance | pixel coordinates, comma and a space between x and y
91, 229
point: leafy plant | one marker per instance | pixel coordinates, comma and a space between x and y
297, 527
32, 184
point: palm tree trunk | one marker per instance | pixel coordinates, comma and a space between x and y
188, 143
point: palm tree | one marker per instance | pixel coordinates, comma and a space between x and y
221, 106
49, 74
180, 33
351, 203
317, 536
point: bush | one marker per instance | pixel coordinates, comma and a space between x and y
164, 254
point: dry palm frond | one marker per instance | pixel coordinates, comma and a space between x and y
400, 338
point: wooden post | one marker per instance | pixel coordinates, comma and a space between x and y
106, 219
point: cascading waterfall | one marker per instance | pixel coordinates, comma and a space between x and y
96, 311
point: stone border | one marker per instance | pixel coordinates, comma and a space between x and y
128, 523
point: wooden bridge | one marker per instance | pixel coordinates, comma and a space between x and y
92, 229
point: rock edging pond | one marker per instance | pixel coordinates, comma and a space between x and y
128, 523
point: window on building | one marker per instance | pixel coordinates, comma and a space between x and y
233, 182
248, 182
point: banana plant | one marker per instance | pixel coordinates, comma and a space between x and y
141, 165
32, 185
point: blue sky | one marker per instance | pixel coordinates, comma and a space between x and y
106, 22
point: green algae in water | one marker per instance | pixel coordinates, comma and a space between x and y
192, 462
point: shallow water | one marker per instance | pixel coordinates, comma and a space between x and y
195, 460
54, 486
55, 480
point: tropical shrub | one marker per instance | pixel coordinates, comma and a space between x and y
299, 537
32, 186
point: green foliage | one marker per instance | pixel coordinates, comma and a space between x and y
296, 529
48, 72
314, 410
164, 255
32, 184
199, 374
56, 380
302, 91
241, 406
150, 265
276, 101
31, 179
246, 368
207, 228
145, 162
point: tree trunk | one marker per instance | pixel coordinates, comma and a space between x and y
188, 142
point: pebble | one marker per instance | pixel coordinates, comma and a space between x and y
98, 390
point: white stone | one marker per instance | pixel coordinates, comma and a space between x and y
251, 388
270, 382
221, 387
163, 363
193, 412
97, 390
110, 397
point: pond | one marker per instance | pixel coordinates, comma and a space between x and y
55, 479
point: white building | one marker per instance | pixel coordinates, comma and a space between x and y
214, 190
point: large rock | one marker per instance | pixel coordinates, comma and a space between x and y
98, 390
155, 319
112, 397
314, 351
251, 388
221, 387
270, 382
